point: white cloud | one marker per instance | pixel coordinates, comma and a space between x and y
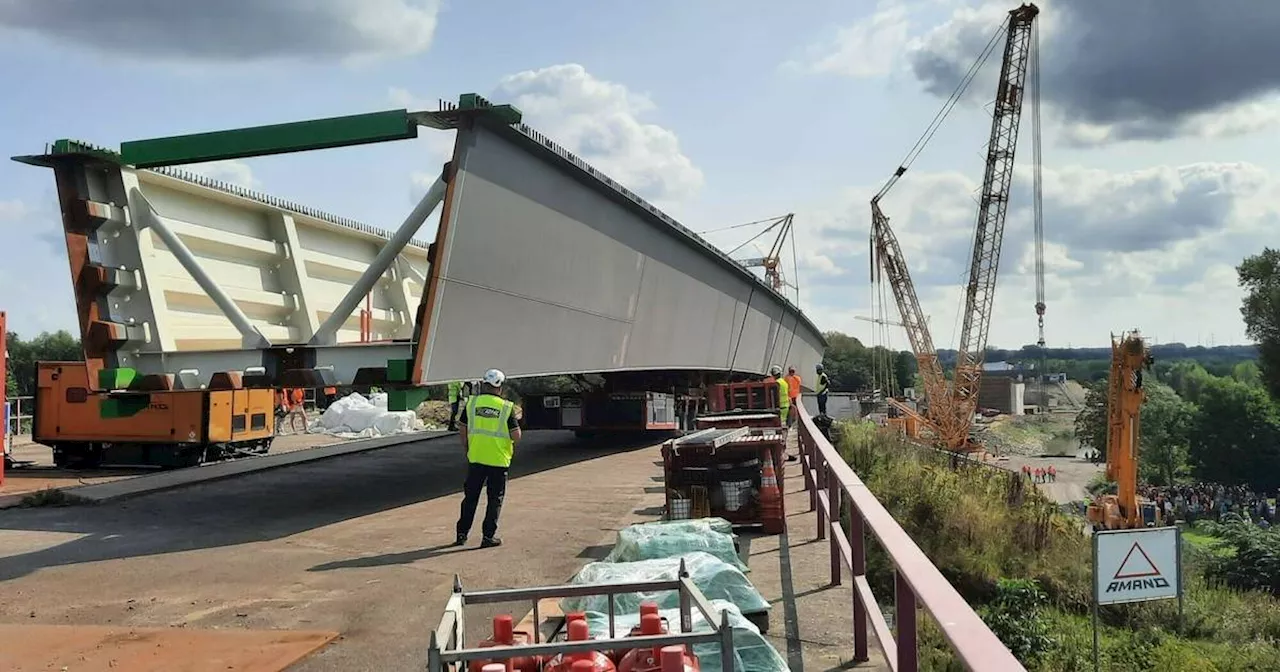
600, 121
233, 30
867, 48
1153, 248
12, 210
231, 171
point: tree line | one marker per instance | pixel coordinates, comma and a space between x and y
1217, 422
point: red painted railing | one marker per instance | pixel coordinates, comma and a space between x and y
917, 583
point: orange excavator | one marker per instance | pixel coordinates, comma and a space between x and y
1125, 509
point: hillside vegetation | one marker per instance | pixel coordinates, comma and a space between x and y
1026, 568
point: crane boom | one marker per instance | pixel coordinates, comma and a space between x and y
951, 408
993, 206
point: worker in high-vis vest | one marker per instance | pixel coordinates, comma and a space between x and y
793, 391
823, 388
455, 394
784, 395
490, 427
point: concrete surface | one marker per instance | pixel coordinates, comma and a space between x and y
357, 544
42, 475
26, 648
810, 621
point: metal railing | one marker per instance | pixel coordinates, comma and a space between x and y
447, 649
917, 582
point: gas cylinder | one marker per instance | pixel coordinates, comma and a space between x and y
676, 659
579, 631
648, 615
649, 659
504, 635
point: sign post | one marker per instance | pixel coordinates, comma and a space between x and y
1135, 566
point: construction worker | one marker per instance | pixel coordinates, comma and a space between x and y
784, 395
793, 389
823, 384
455, 394
297, 410
490, 427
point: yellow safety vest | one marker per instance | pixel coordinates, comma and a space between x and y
784, 399
488, 439
822, 383
455, 388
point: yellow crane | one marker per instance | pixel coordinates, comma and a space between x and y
1125, 509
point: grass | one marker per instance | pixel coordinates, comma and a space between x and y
979, 525
50, 497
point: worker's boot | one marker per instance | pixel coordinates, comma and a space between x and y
490, 542
460, 540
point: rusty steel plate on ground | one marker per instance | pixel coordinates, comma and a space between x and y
91, 648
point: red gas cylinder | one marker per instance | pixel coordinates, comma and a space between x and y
649, 659
587, 661
651, 623
675, 659
505, 635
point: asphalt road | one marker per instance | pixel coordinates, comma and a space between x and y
355, 544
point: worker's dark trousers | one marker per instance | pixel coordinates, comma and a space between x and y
494, 481
822, 403
453, 414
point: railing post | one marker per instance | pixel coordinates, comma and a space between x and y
833, 498
904, 611
824, 476
858, 551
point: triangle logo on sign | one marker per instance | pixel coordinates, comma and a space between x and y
1136, 566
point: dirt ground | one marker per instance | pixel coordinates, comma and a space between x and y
357, 544
43, 475
1074, 473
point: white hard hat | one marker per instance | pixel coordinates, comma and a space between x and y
775, 370
494, 377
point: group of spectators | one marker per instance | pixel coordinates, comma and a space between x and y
1210, 501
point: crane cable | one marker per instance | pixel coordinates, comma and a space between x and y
1038, 206
944, 111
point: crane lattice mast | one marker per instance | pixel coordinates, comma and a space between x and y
951, 407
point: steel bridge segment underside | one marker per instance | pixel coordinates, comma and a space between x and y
545, 266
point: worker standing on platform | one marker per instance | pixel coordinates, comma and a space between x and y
823, 384
455, 394
793, 389
784, 395
490, 427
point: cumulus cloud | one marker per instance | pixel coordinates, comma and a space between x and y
866, 48
598, 120
231, 171
232, 30
1134, 70
1153, 248
601, 122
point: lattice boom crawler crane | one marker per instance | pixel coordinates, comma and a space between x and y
951, 406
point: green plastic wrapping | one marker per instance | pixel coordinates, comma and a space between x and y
751, 651
717, 579
649, 541
715, 524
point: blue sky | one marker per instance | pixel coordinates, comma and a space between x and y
1161, 169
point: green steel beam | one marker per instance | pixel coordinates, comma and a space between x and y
301, 136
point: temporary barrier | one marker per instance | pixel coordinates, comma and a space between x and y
448, 648
917, 582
